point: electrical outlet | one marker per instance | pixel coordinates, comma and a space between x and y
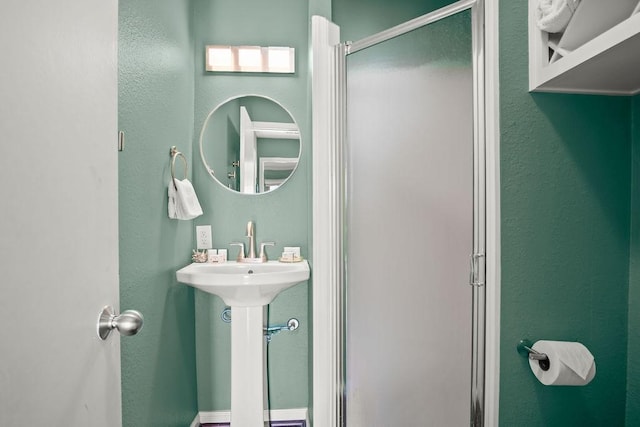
203, 237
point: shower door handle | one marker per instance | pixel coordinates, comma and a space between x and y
128, 323
477, 270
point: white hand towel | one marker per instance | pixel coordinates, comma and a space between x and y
554, 15
172, 202
183, 202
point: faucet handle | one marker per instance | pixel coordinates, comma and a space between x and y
240, 257
263, 254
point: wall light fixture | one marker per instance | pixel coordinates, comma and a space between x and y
250, 59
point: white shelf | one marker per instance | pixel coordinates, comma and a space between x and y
598, 53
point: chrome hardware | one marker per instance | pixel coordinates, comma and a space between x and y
252, 240
291, 325
251, 257
525, 349
128, 323
270, 331
174, 153
240, 257
234, 165
263, 254
121, 141
477, 270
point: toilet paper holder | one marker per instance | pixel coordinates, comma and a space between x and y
525, 349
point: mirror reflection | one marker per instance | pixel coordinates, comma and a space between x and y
250, 144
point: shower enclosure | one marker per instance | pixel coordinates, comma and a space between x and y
406, 230
409, 228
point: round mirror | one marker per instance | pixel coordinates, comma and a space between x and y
250, 144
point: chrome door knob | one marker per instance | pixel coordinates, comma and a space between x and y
128, 323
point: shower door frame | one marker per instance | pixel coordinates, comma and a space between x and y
329, 124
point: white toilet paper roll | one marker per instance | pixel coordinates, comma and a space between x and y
571, 363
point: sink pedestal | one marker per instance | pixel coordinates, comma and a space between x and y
248, 386
247, 289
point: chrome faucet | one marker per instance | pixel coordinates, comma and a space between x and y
251, 257
252, 240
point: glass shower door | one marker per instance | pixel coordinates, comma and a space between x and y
409, 228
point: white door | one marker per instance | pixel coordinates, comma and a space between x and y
58, 223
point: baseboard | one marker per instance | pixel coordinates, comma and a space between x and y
295, 414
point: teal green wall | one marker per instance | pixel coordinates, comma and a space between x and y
565, 201
566, 209
282, 216
633, 370
155, 112
361, 18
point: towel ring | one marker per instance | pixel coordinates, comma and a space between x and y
174, 153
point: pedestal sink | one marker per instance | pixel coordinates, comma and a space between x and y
247, 288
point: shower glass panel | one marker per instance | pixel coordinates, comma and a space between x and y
408, 305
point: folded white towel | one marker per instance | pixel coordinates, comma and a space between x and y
183, 202
554, 15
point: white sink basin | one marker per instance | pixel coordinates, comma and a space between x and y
244, 285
